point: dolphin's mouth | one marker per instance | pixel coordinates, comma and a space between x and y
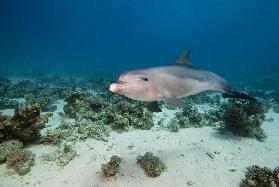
118, 86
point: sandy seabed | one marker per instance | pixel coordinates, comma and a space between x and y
199, 157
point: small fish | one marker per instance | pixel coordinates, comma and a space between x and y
170, 82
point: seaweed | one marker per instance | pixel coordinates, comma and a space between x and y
151, 164
111, 168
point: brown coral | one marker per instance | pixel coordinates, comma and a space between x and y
27, 122
111, 168
21, 160
151, 164
24, 124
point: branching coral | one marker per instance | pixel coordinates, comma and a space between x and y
152, 165
24, 124
260, 177
111, 168
244, 118
27, 122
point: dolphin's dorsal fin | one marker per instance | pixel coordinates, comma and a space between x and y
183, 58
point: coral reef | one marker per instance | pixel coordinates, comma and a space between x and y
174, 126
260, 177
4, 85
244, 118
52, 136
20, 160
41, 91
24, 125
94, 117
6, 103
199, 99
7, 147
88, 129
124, 115
27, 122
151, 164
189, 118
66, 154
21, 88
111, 168
63, 156
75, 131
5, 127
74, 101
276, 175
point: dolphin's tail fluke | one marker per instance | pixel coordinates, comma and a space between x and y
238, 95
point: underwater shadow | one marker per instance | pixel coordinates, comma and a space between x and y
228, 136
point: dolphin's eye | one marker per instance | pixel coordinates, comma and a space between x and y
144, 78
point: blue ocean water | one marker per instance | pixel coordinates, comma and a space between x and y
234, 38
62, 126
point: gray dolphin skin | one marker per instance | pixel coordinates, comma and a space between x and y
169, 83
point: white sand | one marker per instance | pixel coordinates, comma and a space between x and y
185, 153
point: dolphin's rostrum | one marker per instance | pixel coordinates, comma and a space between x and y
170, 82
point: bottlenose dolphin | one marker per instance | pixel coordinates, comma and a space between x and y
170, 82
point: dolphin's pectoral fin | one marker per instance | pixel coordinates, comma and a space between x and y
183, 58
176, 102
152, 106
